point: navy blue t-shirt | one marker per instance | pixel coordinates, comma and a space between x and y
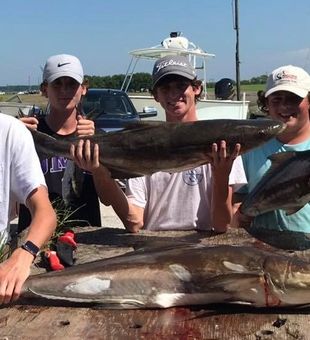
72, 191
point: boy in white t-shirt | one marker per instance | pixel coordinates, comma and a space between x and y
200, 198
21, 181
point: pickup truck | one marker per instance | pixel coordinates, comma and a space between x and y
112, 109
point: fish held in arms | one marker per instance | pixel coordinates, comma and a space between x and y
286, 185
143, 148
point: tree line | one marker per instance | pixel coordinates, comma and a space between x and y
140, 82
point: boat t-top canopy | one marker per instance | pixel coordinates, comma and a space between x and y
159, 52
174, 45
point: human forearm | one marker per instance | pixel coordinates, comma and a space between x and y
43, 222
110, 193
42, 227
222, 210
221, 165
221, 205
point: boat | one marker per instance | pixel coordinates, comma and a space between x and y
207, 107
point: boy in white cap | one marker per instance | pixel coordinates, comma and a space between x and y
287, 99
196, 199
64, 85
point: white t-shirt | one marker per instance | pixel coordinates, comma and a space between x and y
179, 201
20, 170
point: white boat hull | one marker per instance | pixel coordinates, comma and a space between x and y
206, 108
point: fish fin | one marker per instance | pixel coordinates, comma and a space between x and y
231, 281
72, 182
108, 303
122, 304
45, 144
40, 139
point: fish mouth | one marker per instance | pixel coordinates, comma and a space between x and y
281, 125
272, 131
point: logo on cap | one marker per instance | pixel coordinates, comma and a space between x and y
171, 62
63, 64
286, 76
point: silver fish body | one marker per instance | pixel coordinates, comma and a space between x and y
190, 274
147, 147
286, 185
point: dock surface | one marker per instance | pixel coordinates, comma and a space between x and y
198, 322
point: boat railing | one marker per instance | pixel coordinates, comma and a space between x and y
175, 45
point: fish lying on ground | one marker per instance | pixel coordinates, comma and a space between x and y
179, 275
286, 185
147, 147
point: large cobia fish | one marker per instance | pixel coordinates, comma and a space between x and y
286, 185
147, 147
191, 274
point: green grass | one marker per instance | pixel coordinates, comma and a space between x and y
252, 88
249, 88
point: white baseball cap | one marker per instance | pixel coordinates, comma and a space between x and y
63, 65
288, 78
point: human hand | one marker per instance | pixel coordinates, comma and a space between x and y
85, 127
30, 122
85, 155
13, 273
221, 161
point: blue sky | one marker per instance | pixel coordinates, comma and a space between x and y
102, 32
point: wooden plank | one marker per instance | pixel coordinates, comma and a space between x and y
180, 323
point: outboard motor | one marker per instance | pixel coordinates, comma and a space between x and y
224, 89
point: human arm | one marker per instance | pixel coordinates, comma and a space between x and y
221, 164
109, 192
15, 270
